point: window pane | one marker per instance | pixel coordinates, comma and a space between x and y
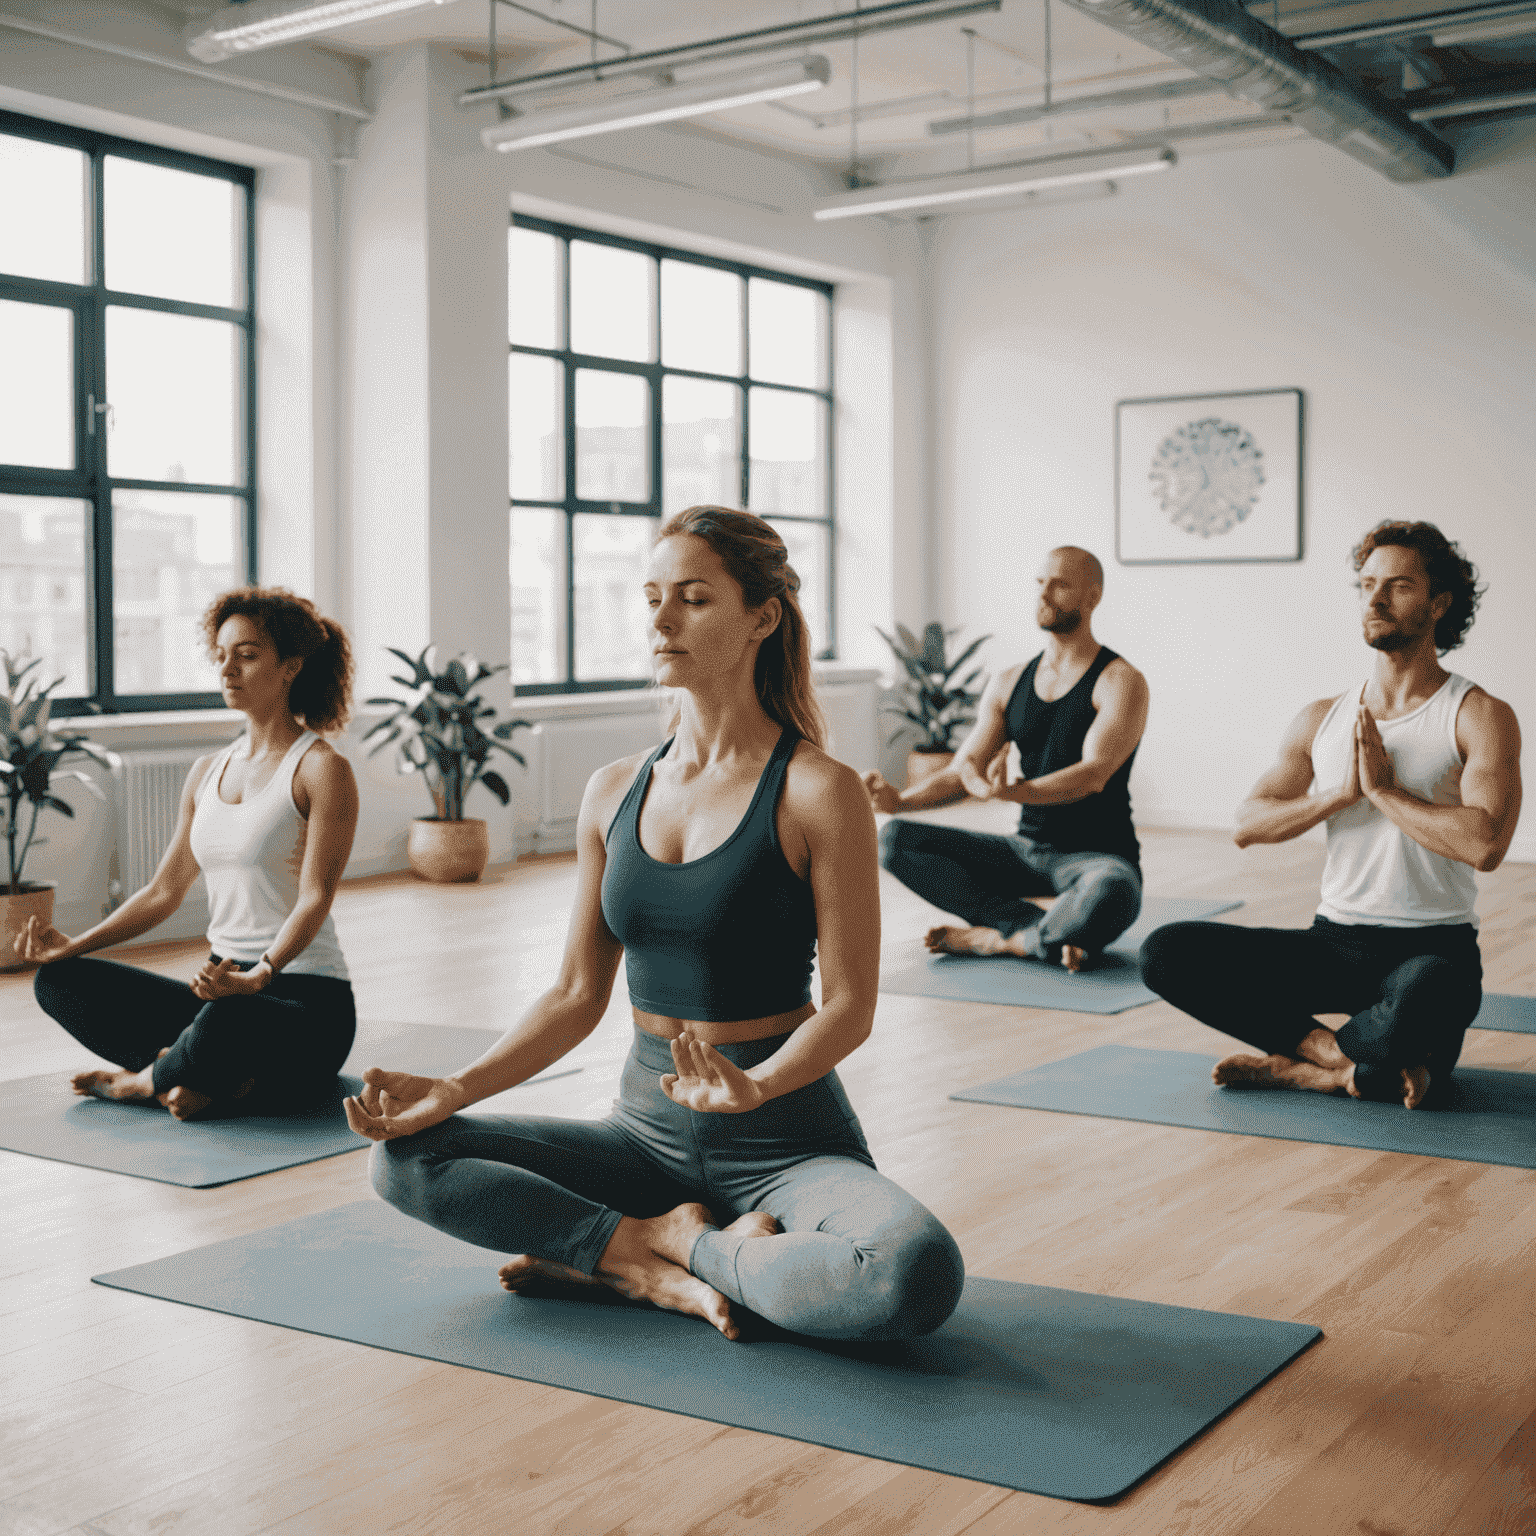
174, 385
533, 288
174, 234
613, 434
700, 318
612, 620
43, 587
42, 190
808, 544
700, 444
37, 385
787, 333
538, 596
788, 443
611, 302
536, 395
172, 554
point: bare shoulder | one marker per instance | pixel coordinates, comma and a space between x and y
195, 776
1484, 718
324, 770
1120, 679
1005, 681
1302, 731
607, 787
817, 786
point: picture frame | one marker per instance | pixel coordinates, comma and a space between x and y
1209, 479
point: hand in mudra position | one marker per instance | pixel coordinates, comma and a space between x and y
40, 943
400, 1104
707, 1082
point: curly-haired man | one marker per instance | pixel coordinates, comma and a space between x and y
1417, 776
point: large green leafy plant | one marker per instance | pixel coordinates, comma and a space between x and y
30, 753
439, 729
931, 700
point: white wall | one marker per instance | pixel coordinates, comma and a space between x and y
1407, 314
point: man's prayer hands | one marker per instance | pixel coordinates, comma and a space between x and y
401, 1104
1373, 766
707, 1082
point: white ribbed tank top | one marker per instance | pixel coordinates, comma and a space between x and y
1376, 873
251, 855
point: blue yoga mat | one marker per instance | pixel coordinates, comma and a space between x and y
1051, 1391
1491, 1117
1111, 985
1514, 1015
41, 1117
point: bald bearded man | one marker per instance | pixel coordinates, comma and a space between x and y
1076, 712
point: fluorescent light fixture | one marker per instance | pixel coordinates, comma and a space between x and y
663, 104
995, 181
1489, 30
266, 23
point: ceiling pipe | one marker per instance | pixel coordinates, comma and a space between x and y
1466, 106
1220, 40
1408, 26
1137, 96
838, 27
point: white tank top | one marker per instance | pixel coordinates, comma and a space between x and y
1376, 873
251, 855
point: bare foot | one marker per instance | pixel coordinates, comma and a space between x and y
1415, 1086
1072, 957
522, 1268
1280, 1072
185, 1103
1321, 1048
754, 1224
965, 941
121, 1087
648, 1260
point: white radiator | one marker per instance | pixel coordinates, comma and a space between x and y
569, 753
149, 786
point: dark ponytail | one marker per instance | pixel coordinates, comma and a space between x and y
755, 558
321, 695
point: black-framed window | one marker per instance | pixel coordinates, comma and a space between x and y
644, 380
127, 429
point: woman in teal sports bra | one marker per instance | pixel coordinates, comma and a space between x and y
733, 1170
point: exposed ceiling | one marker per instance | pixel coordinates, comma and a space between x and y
912, 82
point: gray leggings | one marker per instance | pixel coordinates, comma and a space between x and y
858, 1257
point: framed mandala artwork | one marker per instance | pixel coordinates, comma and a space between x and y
1208, 478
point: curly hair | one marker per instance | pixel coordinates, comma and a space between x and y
1447, 568
321, 694
755, 557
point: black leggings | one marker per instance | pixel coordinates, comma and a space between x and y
1412, 991
291, 1038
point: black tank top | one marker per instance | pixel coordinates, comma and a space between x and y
1050, 736
727, 936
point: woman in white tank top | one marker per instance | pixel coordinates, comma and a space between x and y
268, 1020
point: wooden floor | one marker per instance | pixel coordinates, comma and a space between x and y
125, 1416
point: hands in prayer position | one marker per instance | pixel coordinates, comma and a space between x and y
1372, 769
401, 1104
707, 1082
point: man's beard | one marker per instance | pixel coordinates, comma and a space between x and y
1062, 621
1402, 638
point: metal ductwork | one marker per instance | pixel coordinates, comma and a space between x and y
1220, 40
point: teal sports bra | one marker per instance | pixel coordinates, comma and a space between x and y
727, 936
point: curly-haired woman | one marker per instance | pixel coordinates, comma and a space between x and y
269, 821
733, 1169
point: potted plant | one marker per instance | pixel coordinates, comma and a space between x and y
439, 728
940, 708
30, 753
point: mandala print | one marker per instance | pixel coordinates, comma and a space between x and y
1207, 476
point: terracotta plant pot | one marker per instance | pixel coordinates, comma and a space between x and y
33, 900
448, 851
923, 765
